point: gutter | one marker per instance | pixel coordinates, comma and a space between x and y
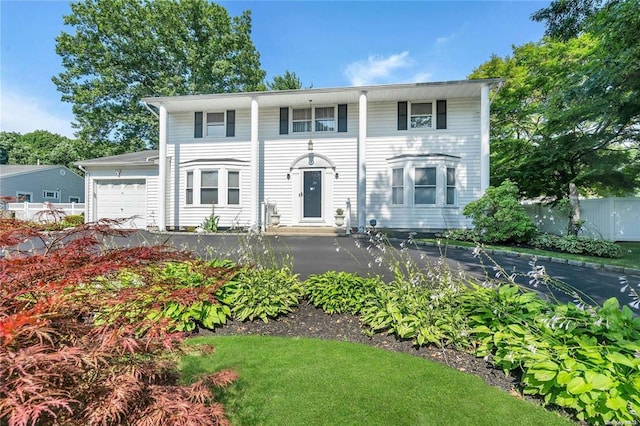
146, 105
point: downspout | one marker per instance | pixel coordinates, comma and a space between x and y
362, 163
162, 170
255, 190
485, 149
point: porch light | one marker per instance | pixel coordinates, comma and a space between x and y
310, 145
288, 176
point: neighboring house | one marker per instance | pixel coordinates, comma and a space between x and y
39, 184
410, 156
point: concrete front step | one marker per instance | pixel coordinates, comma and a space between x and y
320, 231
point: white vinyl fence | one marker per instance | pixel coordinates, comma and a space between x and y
30, 211
613, 219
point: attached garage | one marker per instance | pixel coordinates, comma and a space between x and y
122, 198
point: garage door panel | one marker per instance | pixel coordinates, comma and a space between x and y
118, 199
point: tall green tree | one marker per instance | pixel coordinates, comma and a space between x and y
288, 81
565, 19
123, 50
46, 148
545, 134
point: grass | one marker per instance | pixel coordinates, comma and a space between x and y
630, 252
315, 382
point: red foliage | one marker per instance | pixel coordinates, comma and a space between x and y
56, 367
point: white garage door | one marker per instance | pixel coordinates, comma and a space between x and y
123, 198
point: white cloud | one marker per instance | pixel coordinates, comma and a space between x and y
23, 114
377, 69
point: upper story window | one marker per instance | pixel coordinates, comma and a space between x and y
325, 119
421, 115
317, 119
214, 124
301, 120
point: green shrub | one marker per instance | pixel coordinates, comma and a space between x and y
339, 292
72, 220
498, 216
263, 293
462, 235
577, 245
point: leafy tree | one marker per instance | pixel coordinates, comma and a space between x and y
548, 132
565, 18
288, 81
44, 147
121, 51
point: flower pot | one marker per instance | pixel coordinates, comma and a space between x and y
339, 220
275, 219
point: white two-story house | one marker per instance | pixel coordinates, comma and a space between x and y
410, 156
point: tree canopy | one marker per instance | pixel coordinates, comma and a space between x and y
569, 111
121, 51
288, 81
43, 147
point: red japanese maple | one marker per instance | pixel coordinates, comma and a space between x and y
57, 367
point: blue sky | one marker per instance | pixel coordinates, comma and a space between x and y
326, 43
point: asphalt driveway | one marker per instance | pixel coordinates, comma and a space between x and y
313, 255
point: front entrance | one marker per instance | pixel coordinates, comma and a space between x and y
312, 194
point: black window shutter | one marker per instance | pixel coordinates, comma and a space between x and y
342, 118
441, 114
284, 121
197, 125
231, 123
402, 115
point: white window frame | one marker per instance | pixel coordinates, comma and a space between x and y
74, 199
313, 122
216, 188
217, 130
229, 188
397, 187
409, 163
24, 194
427, 185
51, 194
188, 188
223, 188
451, 186
411, 115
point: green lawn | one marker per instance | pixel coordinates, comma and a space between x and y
314, 382
630, 251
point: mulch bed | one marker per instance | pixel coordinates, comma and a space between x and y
309, 321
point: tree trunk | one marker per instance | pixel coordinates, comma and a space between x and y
574, 210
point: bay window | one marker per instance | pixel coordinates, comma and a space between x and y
425, 185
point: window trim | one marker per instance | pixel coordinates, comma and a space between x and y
24, 194
227, 126
222, 188
395, 186
55, 194
410, 162
339, 119
201, 186
229, 187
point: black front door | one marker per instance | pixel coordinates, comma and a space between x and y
312, 197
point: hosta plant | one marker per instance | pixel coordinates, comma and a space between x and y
339, 292
57, 367
262, 293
